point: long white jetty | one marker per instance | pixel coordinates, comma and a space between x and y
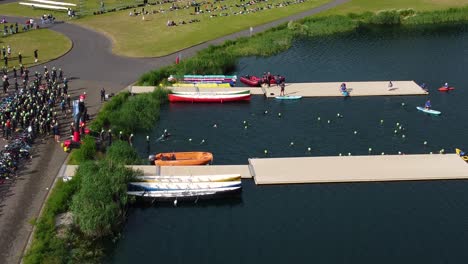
328, 89
358, 168
151, 170
243, 170
329, 169
321, 89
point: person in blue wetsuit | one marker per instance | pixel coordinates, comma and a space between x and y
427, 105
343, 87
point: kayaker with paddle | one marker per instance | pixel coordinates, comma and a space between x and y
427, 105
446, 85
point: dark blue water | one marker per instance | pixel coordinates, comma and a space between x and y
409, 222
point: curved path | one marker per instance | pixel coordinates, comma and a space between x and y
92, 65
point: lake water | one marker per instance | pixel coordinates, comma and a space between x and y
408, 222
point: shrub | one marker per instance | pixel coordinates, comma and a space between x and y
99, 205
386, 17
130, 114
121, 152
102, 118
86, 151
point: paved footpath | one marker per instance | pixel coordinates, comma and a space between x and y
91, 65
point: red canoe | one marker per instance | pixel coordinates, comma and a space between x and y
445, 89
211, 98
255, 81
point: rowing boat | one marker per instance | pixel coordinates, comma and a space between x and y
213, 92
185, 193
157, 186
191, 178
210, 78
202, 85
216, 98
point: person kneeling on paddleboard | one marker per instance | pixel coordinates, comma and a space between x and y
427, 105
343, 87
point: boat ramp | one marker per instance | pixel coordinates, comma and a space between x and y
330, 169
319, 89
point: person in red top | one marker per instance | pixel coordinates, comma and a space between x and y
8, 128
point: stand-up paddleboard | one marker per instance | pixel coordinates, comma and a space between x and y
288, 97
429, 111
446, 89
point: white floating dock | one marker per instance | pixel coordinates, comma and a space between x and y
329, 89
151, 170
243, 170
330, 169
322, 89
358, 169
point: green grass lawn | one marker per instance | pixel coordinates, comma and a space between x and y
85, 8
360, 6
135, 37
50, 45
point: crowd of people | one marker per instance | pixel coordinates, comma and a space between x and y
213, 8
36, 105
47, 19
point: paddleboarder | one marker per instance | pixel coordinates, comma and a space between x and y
343, 87
428, 105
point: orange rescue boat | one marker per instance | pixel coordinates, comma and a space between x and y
183, 158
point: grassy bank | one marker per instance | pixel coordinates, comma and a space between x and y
96, 196
130, 114
222, 59
50, 45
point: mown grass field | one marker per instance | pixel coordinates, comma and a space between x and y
50, 45
135, 37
